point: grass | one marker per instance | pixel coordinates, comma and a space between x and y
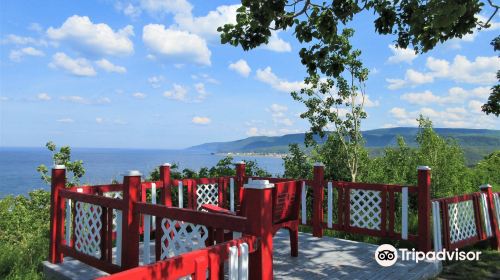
488, 267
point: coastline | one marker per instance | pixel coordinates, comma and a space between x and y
252, 154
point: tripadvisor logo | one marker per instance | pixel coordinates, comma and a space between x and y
387, 255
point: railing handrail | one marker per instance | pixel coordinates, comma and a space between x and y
171, 268
220, 221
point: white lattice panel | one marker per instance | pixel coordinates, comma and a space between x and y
115, 195
181, 237
88, 228
365, 211
461, 221
207, 194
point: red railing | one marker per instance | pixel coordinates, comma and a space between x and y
368, 209
466, 219
194, 264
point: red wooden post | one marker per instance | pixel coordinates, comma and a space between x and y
130, 220
424, 208
240, 180
318, 194
166, 194
495, 241
58, 182
258, 196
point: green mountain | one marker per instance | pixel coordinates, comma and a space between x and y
476, 143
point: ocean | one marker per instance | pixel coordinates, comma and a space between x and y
18, 165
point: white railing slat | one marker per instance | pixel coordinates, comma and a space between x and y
180, 194
304, 203
243, 262
404, 213
233, 263
147, 239
153, 201
486, 215
68, 222
118, 237
231, 194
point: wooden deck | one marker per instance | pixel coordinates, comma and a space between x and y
319, 258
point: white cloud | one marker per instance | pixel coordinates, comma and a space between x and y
206, 26
156, 81
254, 131
85, 36
368, 102
43, 96
412, 79
449, 117
99, 120
162, 7
178, 92
77, 67
268, 77
201, 120
401, 55
481, 71
454, 95
278, 114
177, 44
139, 95
81, 100
277, 44
202, 93
120, 122
128, 9
241, 66
455, 43
75, 99
66, 120
110, 67
17, 55
20, 40
34, 26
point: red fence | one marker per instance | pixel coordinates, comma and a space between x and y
460, 221
103, 225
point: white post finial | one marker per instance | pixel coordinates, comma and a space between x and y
241, 162
133, 173
259, 184
485, 186
166, 164
59, 166
319, 164
424, 167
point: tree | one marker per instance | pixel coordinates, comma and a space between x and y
297, 165
63, 157
493, 104
322, 27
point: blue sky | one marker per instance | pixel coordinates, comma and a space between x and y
153, 74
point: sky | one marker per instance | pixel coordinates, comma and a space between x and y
153, 74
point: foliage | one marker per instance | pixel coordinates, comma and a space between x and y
493, 104
296, 163
487, 171
336, 159
224, 167
24, 235
63, 157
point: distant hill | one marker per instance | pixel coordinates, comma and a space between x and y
476, 143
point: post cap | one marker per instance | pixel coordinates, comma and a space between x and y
424, 167
319, 164
166, 164
241, 162
485, 186
133, 173
58, 166
259, 185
